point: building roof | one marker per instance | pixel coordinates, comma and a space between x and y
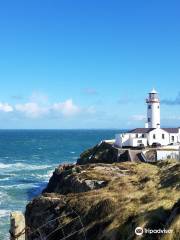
142, 130
147, 130
153, 91
171, 130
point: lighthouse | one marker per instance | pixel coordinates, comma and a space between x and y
153, 110
152, 134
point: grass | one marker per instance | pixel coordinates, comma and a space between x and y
136, 194
143, 196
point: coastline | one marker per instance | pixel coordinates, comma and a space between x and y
109, 197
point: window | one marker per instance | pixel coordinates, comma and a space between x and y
158, 106
139, 141
143, 135
154, 136
149, 119
163, 136
137, 135
149, 106
172, 138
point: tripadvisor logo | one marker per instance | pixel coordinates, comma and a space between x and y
139, 231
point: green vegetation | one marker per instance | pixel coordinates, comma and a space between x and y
136, 194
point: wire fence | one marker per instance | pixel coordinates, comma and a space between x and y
64, 227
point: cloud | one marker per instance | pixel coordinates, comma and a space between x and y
39, 106
90, 91
5, 107
138, 117
175, 101
31, 109
67, 108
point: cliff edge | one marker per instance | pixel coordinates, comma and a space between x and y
107, 202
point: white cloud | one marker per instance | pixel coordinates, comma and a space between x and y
41, 107
5, 107
31, 109
67, 108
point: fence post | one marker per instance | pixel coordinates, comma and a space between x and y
17, 226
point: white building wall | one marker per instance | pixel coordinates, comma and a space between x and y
130, 140
135, 142
163, 155
158, 137
173, 138
117, 140
122, 140
134, 139
153, 114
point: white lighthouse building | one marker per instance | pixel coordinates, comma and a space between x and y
152, 134
153, 110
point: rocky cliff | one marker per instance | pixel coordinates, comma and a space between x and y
101, 201
103, 153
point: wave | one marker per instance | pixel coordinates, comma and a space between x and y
3, 196
4, 179
45, 177
4, 213
20, 186
24, 166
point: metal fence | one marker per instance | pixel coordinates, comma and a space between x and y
64, 227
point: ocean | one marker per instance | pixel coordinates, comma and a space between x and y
28, 158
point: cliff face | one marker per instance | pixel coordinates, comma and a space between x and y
74, 179
103, 153
108, 201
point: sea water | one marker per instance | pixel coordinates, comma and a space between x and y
27, 161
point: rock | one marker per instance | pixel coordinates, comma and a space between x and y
103, 153
70, 179
17, 226
108, 201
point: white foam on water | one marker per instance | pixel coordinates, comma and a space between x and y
20, 166
4, 179
45, 177
3, 195
37, 167
19, 186
4, 213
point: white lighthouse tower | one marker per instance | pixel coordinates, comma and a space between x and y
153, 110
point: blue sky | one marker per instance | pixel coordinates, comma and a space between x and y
88, 64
